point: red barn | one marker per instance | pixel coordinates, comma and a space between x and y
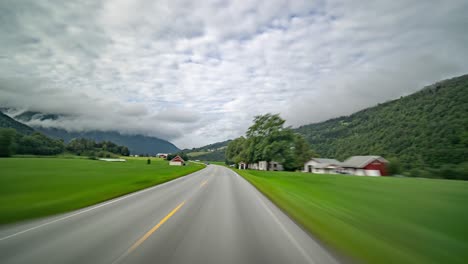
365, 166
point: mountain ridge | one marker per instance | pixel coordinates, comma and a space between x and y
138, 144
8, 122
428, 128
423, 129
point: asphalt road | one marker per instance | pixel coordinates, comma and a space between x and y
211, 216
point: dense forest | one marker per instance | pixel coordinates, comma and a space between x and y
425, 131
35, 143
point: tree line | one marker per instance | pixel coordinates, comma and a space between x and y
12, 142
269, 140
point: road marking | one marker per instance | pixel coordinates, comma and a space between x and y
150, 232
291, 238
203, 183
93, 207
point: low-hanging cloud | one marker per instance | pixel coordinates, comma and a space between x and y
197, 72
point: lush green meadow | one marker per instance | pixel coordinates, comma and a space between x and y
34, 187
376, 219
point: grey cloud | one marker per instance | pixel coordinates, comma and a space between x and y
197, 72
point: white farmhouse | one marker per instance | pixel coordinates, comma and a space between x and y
266, 166
177, 161
322, 166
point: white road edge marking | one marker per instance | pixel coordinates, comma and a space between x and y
283, 228
97, 206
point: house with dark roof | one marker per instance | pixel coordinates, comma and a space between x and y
365, 166
322, 166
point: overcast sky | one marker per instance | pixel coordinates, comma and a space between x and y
197, 72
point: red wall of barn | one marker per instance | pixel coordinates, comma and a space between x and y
377, 165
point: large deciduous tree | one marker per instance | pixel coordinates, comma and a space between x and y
269, 140
236, 150
7, 139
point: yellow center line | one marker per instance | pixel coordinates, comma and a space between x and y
152, 230
203, 183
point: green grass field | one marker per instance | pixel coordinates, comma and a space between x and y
376, 219
35, 187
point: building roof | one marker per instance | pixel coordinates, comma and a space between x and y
177, 158
326, 165
327, 161
360, 161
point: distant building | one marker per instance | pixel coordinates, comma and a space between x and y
162, 155
242, 165
177, 161
113, 160
365, 166
322, 166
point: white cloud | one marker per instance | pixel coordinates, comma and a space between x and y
197, 72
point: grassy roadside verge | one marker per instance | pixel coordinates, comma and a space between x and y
375, 220
36, 187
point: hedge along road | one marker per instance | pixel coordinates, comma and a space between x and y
210, 216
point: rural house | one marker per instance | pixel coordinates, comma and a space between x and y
266, 166
242, 165
365, 166
322, 166
162, 155
177, 161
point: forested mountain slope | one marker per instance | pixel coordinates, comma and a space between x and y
8, 122
211, 152
426, 129
137, 144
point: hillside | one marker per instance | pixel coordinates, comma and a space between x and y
210, 147
137, 144
211, 152
426, 129
8, 122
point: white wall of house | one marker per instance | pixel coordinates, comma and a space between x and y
242, 166
373, 173
276, 166
253, 166
263, 165
362, 172
175, 163
312, 164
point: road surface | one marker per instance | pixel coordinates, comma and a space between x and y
211, 216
